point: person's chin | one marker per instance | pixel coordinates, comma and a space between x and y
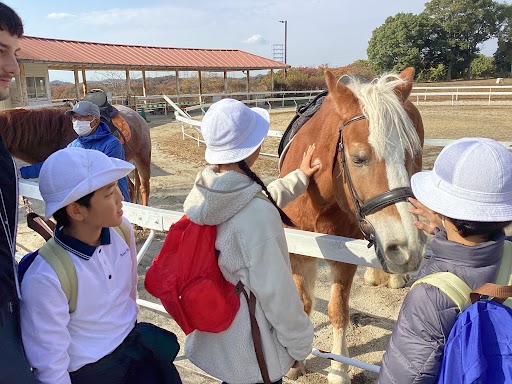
4, 93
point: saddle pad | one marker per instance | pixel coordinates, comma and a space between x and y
122, 125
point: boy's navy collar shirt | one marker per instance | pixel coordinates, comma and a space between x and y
77, 247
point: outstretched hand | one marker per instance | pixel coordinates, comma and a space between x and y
309, 166
421, 210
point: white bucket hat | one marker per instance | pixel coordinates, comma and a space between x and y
72, 173
232, 131
471, 180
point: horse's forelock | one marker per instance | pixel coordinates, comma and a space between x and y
385, 112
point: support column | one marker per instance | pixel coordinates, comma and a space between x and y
248, 85
177, 86
200, 88
84, 82
77, 83
144, 84
272, 81
23, 86
128, 86
225, 82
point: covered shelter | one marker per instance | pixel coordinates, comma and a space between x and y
39, 55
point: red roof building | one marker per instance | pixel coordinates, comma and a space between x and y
38, 55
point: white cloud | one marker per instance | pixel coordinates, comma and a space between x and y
255, 39
59, 15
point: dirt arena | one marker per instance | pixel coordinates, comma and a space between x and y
374, 310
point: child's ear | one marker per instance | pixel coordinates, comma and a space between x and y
74, 212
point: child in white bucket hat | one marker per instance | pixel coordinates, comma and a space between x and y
467, 202
88, 333
252, 247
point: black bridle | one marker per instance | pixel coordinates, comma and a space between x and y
374, 204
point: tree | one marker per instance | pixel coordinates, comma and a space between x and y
466, 24
483, 66
503, 54
406, 40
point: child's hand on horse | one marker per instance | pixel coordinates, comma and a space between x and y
308, 165
422, 211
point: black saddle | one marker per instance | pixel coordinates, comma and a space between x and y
107, 110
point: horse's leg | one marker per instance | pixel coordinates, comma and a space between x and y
131, 189
144, 175
304, 276
338, 309
136, 178
373, 276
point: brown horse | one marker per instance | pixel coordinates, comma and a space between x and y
368, 138
33, 134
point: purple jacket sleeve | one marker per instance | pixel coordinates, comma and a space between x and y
415, 351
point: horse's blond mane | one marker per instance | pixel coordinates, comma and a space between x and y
385, 112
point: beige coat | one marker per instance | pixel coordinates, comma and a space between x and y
253, 249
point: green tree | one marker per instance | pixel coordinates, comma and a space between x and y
466, 24
483, 66
406, 40
503, 54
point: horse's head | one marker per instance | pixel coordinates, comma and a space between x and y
378, 150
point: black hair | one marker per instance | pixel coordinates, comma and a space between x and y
245, 168
488, 230
62, 217
10, 21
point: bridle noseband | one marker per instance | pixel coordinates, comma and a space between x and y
374, 204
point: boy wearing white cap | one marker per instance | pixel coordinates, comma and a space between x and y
467, 201
92, 134
252, 248
95, 340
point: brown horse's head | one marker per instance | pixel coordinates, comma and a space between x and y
377, 149
369, 140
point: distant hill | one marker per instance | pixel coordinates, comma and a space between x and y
59, 82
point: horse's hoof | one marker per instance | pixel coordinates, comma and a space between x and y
338, 377
294, 374
398, 281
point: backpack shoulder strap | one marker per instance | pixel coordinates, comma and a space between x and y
505, 272
451, 285
63, 266
124, 232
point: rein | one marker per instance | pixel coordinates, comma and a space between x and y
374, 204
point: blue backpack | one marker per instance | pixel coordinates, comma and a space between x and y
479, 347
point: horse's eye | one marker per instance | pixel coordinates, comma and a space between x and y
359, 161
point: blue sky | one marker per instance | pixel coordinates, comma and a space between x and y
334, 32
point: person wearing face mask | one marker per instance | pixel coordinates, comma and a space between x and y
92, 134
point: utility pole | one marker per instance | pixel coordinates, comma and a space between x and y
285, 22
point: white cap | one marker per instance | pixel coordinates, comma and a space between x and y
232, 131
471, 180
72, 173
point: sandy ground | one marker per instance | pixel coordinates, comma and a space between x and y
373, 309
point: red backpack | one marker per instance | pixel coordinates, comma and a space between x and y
186, 278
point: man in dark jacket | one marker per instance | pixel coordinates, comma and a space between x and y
92, 134
13, 364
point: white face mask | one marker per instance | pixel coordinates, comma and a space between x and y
82, 128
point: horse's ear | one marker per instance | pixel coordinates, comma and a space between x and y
338, 91
404, 90
331, 81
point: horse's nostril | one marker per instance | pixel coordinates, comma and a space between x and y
392, 248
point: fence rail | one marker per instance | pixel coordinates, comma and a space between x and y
311, 244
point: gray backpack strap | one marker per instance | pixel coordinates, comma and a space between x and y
124, 232
63, 266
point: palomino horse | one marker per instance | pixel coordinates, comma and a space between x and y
33, 134
368, 138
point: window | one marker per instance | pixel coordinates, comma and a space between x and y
36, 88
